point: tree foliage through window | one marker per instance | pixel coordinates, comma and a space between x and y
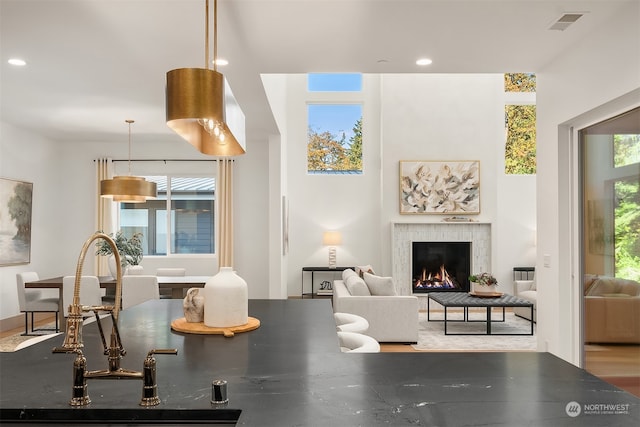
327, 151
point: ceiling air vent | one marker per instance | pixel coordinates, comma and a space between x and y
565, 20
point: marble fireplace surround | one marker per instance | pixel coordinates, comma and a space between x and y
403, 234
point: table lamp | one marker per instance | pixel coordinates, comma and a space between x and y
331, 239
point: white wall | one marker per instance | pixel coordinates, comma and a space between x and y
28, 157
597, 79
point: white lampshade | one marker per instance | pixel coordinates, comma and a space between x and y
331, 238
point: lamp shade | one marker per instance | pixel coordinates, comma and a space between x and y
129, 189
194, 99
331, 238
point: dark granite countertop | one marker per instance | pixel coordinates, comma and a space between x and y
290, 372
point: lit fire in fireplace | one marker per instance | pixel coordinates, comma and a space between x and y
435, 280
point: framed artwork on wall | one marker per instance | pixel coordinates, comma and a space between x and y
440, 187
15, 222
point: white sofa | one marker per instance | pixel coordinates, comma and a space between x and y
392, 318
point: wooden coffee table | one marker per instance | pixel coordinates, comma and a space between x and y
464, 300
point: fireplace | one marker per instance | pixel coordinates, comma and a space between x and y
440, 266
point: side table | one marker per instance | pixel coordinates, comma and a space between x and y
313, 270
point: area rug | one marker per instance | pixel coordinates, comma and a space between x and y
10, 343
431, 333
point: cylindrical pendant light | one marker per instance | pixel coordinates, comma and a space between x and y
128, 189
195, 103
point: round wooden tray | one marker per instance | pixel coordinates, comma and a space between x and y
486, 294
181, 325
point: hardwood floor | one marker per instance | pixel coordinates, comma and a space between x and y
617, 364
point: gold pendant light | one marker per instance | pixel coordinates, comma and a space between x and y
195, 102
128, 189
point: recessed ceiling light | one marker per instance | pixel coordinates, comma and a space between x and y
221, 62
424, 61
17, 62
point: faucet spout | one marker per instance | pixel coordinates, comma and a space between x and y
73, 336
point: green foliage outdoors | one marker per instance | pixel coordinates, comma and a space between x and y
626, 150
326, 152
520, 147
627, 229
520, 82
19, 206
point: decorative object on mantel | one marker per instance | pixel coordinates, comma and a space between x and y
442, 187
193, 306
484, 285
195, 102
128, 188
458, 219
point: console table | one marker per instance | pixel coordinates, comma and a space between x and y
313, 270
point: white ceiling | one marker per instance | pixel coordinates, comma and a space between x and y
94, 63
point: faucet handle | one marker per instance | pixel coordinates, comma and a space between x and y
149, 385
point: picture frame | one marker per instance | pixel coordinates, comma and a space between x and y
15, 221
440, 187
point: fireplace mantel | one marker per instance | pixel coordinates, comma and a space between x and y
404, 233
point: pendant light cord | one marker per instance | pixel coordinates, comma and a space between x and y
215, 35
206, 34
129, 121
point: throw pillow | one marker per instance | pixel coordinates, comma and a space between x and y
356, 286
379, 286
361, 269
348, 272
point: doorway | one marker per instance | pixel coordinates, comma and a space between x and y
610, 248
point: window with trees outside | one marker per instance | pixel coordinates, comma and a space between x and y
520, 123
179, 221
334, 137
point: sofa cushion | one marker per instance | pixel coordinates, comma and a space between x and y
348, 272
361, 269
356, 286
528, 295
610, 285
380, 286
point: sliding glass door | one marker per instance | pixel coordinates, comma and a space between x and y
610, 180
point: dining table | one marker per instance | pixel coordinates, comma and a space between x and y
177, 285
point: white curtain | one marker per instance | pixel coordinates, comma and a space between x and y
104, 211
224, 196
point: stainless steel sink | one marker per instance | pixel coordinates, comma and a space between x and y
147, 416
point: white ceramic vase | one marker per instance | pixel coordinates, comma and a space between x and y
226, 300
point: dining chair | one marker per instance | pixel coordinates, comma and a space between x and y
138, 289
90, 293
171, 271
163, 272
32, 301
